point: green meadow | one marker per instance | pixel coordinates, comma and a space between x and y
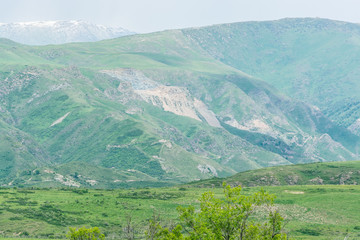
311, 212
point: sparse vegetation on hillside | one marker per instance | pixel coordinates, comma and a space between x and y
297, 56
334, 173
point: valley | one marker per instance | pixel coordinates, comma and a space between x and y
93, 133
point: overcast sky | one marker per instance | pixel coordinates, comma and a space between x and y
155, 15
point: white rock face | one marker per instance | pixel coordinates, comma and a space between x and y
173, 99
58, 32
207, 169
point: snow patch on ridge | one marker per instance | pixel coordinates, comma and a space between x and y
58, 32
37, 23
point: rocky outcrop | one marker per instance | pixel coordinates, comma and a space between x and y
173, 99
355, 127
207, 169
317, 181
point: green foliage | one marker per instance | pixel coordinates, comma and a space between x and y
147, 194
85, 234
310, 231
47, 213
229, 218
174, 234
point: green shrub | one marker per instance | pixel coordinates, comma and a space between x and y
85, 234
227, 218
310, 231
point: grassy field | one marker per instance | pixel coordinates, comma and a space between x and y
312, 212
24, 238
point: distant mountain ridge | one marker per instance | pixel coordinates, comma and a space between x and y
58, 32
154, 109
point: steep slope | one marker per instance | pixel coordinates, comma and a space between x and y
312, 60
58, 32
153, 109
72, 124
18, 151
171, 52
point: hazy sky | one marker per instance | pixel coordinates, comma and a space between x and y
154, 15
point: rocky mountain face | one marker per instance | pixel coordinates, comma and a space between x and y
148, 110
58, 32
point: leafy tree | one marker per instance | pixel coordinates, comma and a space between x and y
229, 219
85, 234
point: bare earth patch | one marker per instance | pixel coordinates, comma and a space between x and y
294, 192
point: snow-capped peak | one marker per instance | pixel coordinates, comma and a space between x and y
58, 32
36, 24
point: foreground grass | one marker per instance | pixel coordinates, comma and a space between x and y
25, 238
313, 212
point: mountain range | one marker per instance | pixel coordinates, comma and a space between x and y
179, 105
58, 32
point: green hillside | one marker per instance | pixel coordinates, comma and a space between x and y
148, 110
310, 59
332, 173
